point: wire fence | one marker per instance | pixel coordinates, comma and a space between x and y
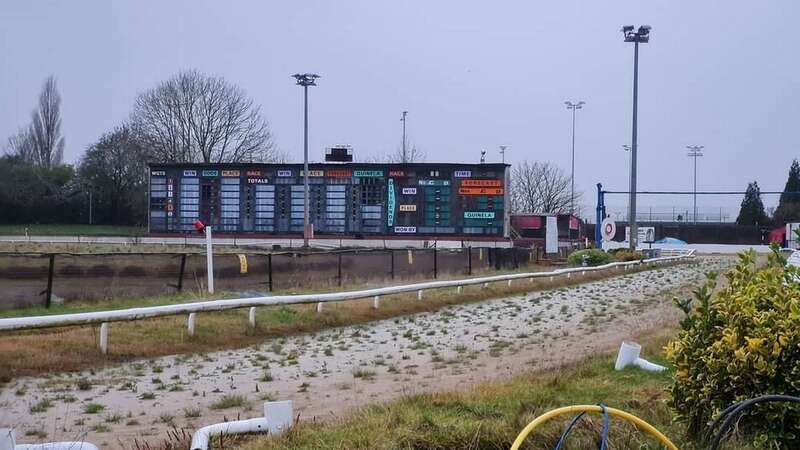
46, 278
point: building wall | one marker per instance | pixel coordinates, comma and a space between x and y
403, 200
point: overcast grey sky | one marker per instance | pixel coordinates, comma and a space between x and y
723, 74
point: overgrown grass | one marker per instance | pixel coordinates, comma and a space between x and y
230, 401
71, 230
489, 416
75, 348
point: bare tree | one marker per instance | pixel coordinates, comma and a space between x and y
21, 145
413, 154
199, 118
41, 142
45, 129
540, 187
114, 170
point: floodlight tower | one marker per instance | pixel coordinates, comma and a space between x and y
642, 35
305, 80
574, 107
695, 151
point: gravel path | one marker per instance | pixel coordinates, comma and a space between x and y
330, 372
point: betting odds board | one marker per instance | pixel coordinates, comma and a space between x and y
350, 199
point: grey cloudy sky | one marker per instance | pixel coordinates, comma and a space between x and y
723, 74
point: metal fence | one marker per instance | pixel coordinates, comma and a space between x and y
41, 279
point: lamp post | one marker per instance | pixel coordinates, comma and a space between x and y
503, 153
695, 151
305, 80
574, 107
403, 119
642, 35
627, 148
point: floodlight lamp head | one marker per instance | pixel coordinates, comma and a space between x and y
627, 28
306, 79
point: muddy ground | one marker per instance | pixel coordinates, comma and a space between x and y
329, 373
23, 278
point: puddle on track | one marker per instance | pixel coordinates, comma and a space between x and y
330, 372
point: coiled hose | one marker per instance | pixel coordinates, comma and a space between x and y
606, 411
730, 414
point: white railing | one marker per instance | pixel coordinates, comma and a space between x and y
105, 317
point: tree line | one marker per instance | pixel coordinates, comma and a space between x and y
752, 210
190, 118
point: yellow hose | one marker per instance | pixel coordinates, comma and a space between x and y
591, 408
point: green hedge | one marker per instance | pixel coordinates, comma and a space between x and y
595, 257
740, 342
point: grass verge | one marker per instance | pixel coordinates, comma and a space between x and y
490, 415
70, 230
75, 348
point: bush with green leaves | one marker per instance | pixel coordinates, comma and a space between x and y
740, 342
627, 255
594, 257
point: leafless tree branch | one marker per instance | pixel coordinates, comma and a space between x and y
198, 118
541, 187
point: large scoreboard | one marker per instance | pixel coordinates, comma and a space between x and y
404, 200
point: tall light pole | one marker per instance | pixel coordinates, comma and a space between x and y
305, 80
642, 35
403, 119
695, 151
503, 153
627, 148
574, 107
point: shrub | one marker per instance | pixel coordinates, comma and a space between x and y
741, 342
627, 255
594, 257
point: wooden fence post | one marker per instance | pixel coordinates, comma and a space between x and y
49, 292
269, 270
180, 274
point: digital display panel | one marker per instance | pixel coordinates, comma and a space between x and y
348, 199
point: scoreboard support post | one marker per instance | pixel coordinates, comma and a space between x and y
391, 263
469, 260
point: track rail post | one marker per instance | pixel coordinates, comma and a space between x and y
48, 299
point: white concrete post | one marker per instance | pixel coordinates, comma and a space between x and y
376, 302
319, 307
279, 415
569, 274
191, 322
252, 317
551, 279
419, 294
104, 338
583, 272
459, 290
8, 439
485, 285
509, 283
209, 261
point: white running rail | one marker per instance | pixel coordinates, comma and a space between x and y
104, 317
